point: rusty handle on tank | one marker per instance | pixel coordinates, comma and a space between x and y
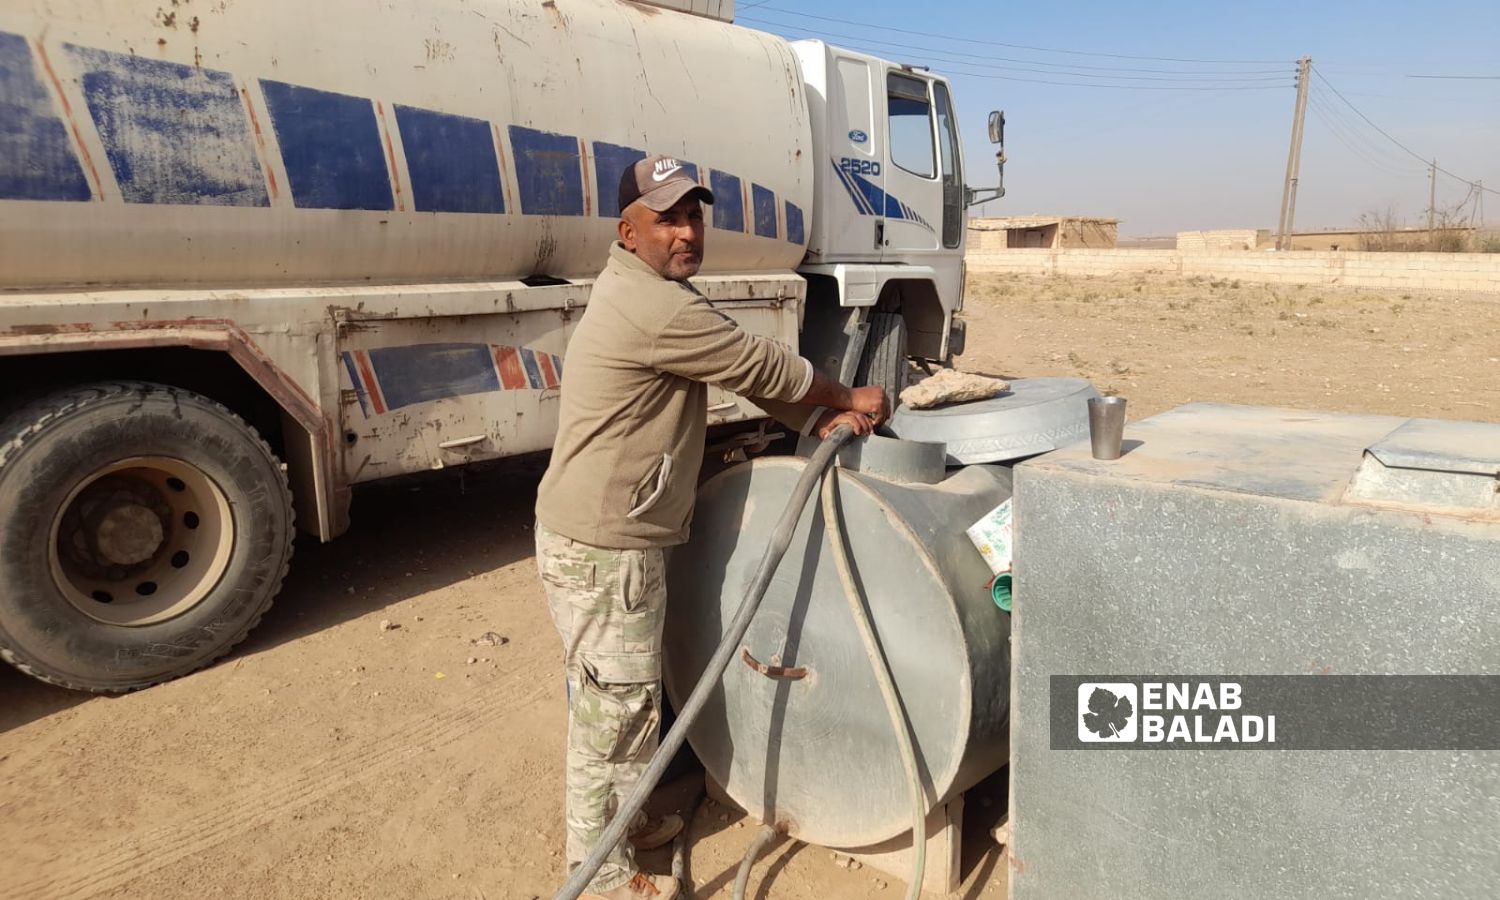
787, 673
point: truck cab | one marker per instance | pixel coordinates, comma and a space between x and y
887, 229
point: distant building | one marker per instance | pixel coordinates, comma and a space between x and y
1047, 232
1225, 239
1407, 239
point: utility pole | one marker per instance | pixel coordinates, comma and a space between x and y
1293, 159
1431, 205
1480, 202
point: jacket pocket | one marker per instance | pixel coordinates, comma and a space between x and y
651, 489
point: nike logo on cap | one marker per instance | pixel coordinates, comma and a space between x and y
664, 169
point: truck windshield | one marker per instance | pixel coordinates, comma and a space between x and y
910, 124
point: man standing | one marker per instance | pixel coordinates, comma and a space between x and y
621, 486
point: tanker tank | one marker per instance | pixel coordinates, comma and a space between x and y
260, 144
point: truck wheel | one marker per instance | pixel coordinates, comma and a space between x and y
144, 530
884, 359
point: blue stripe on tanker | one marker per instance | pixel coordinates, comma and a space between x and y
794, 228
451, 160
729, 203
177, 134
764, 203
173, 134
419, 373
359, 386
36, 160
331, 146
533, 369
610, 162
548, 172
422, 373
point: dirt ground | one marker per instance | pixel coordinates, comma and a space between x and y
329, 758
1164, 342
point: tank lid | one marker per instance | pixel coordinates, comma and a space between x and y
1469, 448
1034, 416
1430, 464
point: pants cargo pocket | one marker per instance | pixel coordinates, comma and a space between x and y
616, 712
643, 594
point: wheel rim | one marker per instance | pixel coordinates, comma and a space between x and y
141, 540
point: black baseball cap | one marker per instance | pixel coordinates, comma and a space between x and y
659, 182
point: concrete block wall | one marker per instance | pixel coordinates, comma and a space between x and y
1222, 239
1395, 271
987, 241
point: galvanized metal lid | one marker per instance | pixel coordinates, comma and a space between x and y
1434, 465
1036, 415
1441, 446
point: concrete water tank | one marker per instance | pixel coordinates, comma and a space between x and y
797, 734
1243, 543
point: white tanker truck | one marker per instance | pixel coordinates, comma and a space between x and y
253, 254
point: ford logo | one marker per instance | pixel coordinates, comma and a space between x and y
858, 137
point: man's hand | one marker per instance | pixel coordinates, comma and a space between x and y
870, 401
859, 423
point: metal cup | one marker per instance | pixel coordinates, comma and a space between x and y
1106, 426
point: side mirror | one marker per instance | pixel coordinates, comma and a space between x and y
973, 196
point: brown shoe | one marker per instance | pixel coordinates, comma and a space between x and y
641, 887
649, 834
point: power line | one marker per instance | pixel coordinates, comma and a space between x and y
1352, 126
1461, 77
1190, 73
949, 37
1121, 87
1410, 152
978, 61
1191, 86
1337, 130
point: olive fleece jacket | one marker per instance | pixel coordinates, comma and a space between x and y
630, 436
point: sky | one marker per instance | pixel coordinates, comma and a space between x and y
1176, 116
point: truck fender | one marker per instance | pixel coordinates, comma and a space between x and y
311, 454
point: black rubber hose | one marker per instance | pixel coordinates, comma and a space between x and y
742, 878
781, 538
680, 846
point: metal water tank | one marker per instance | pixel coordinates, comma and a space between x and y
797, 734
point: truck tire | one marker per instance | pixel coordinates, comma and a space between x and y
884, 360
144, 530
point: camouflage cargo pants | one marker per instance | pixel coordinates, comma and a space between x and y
608, 607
